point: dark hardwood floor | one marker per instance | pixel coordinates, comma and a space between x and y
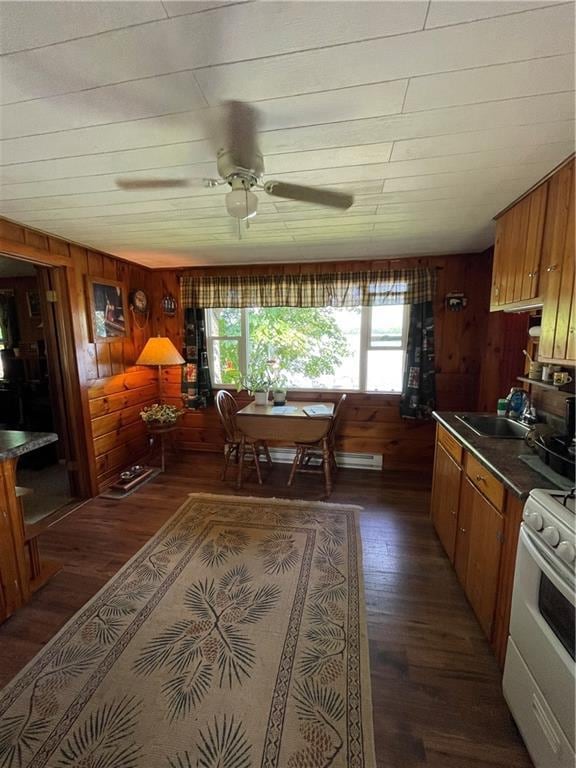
435, 684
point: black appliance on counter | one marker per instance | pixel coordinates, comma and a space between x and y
558, 450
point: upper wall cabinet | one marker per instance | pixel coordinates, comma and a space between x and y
534, 262
558, 339
518, 250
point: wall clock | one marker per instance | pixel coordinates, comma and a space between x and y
139, 302
140, 306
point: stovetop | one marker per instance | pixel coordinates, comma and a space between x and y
559, 502
535, 462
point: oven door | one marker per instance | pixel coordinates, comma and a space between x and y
542, 625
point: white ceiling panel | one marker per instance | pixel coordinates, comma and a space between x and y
445, 12
339, 134
533, 34
482, 141
179, 93
32, 24
233, 33
504, 81
276, 164
304, 110
183, 7
324, 176
435, 115
109, 104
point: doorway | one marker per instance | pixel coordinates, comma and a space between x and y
32, 389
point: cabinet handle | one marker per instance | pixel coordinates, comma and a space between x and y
462, 530
480, 479
552, 268
532, 274
453, 512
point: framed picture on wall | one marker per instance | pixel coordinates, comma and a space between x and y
33, 301
108, 308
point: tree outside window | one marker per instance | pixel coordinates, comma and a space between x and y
358, 348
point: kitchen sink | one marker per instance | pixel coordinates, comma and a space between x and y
494, 426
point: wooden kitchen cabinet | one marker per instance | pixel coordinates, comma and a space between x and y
446, 499
485, 537
557, 340
534, 262
477, 522
517, 251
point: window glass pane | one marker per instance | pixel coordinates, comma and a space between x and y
224, 322
225, 359
384, 370
387, 324
315, 347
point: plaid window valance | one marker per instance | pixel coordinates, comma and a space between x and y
336, 289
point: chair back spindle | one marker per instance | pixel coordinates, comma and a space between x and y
227, 409
336, 419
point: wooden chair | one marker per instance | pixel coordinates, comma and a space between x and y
227, 409
319, 457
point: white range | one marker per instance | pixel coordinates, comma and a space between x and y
539, 674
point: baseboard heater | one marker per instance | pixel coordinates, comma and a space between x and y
352, 460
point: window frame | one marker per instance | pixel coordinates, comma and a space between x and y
366, 345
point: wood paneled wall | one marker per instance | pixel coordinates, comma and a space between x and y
371, 422
116, 389
112, 389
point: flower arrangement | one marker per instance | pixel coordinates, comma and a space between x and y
160, 414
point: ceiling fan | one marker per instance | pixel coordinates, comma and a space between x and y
241, 166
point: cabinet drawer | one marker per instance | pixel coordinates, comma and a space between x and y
452, 446
484, 481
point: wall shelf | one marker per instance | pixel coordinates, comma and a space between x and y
567, 388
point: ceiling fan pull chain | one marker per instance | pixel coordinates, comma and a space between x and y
246, 196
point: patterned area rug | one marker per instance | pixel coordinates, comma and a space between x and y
235, 638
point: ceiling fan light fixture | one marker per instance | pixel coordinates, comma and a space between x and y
241, 203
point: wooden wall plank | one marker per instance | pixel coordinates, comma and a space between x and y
371, 422
105, 368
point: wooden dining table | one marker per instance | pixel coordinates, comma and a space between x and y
283, 424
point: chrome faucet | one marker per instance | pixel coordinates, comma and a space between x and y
528, 414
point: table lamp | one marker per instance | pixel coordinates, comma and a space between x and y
160, 351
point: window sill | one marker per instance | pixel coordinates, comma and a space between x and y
315, 392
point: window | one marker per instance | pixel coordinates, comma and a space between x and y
358, 348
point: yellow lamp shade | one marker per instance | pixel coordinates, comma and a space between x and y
159, 350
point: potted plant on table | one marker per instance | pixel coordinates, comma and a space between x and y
279, 386
160, 416
257, 383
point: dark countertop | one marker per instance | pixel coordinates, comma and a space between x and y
498, 455
14, 443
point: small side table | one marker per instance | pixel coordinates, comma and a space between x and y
162, 431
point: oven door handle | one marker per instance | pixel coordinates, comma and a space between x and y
547, 566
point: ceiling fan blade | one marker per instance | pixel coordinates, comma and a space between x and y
151, 183
314, 195
167, 183
241, 135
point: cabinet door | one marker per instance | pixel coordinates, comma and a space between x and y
484, 553
445, 499
462, 550
564, 342
502, 257
518, 249
529, 281
557, 258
